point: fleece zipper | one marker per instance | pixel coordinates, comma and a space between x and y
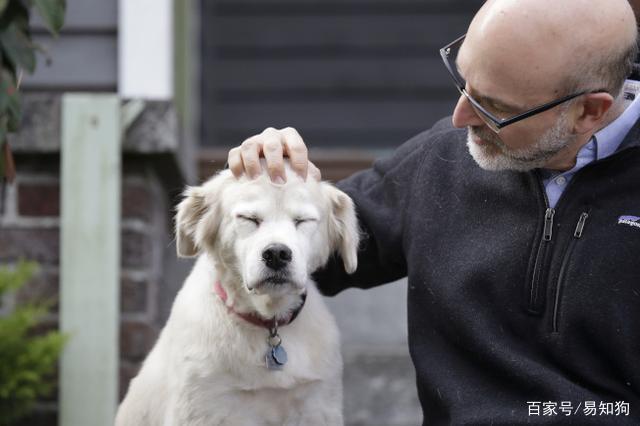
535, 300
577, 234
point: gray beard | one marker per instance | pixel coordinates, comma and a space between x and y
536, 156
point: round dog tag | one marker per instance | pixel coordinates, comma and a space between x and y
275, 358
279, 355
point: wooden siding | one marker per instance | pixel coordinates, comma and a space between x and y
84, 57
345, 73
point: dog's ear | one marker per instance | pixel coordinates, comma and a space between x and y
343, 227
198, 215
190, 211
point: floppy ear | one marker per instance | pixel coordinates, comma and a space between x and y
198, 216
190, 211
343, 227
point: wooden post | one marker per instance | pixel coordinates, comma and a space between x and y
90, 258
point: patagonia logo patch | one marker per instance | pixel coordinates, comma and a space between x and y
629, 221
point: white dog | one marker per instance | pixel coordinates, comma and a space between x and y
249, 341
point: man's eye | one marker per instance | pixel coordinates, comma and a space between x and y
253, 219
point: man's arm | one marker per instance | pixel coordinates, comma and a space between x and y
382, 195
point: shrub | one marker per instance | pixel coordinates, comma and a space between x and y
27, 360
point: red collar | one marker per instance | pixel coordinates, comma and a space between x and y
253, 317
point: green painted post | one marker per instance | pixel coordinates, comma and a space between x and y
90, 258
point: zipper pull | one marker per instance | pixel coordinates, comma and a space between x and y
580, 226
548, 224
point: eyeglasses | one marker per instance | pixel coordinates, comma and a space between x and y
449, 53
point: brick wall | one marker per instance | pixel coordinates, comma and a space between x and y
30, 229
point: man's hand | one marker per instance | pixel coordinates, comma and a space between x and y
274, 145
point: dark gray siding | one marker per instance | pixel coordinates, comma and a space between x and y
349, 73
84, 56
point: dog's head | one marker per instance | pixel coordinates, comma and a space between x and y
270, 237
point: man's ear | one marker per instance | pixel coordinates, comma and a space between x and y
593, 111
189, 212
344, 234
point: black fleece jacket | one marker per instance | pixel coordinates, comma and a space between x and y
509, 302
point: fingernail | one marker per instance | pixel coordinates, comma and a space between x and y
279, 180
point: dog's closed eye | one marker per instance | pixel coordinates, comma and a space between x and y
250, 218
300, 220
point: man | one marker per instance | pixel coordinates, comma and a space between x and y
524, 272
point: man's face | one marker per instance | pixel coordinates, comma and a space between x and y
506, 85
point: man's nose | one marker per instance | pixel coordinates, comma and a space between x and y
276, 256
464, 115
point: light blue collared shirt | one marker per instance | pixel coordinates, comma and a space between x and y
603, 143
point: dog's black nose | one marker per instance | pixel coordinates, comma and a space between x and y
276, 256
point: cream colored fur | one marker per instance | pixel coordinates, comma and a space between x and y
207, 367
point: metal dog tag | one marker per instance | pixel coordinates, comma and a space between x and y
275, 358
279, 355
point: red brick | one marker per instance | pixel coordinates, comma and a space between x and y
43, 199
137, 201
39, 199
44, 327
41, 245
136, 340
43, 287
133, 295
136, 249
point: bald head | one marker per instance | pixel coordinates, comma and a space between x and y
543, 46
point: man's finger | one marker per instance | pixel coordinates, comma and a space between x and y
273, 154
234, 160
250, 153
296, 150
314, 172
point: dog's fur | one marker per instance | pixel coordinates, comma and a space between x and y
208, 365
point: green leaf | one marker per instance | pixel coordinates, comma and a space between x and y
12, 279
10, 104
3, 5
8, 66
15, 113
52, 12
17, 46
17, 12
5, 89
10, 108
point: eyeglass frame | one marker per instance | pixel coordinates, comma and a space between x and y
500, 123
